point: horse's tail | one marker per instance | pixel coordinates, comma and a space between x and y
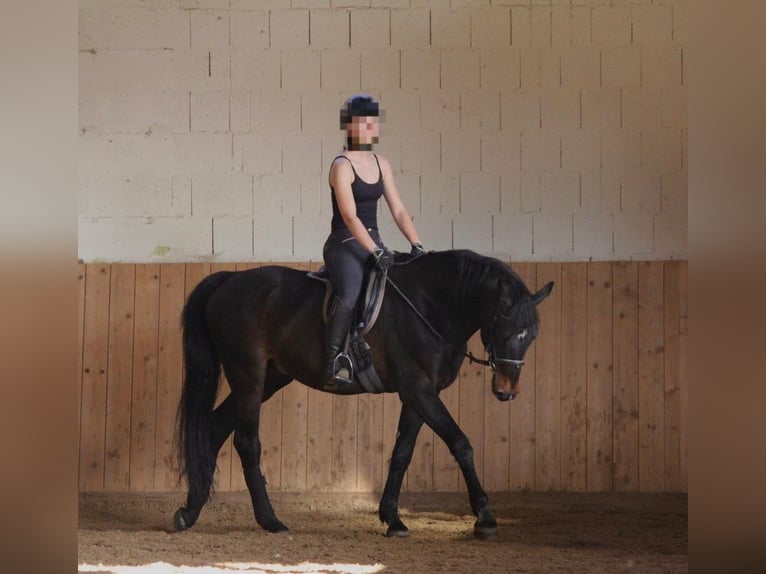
202, 372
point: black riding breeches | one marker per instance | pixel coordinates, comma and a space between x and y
345, 260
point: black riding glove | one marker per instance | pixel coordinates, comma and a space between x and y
384, 259
417, 249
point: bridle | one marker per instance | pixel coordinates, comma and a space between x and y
491, 361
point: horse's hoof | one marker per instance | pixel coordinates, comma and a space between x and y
400, 532
180, 521
484, 532
397, 529
276, 527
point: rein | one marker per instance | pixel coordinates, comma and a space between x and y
491, 361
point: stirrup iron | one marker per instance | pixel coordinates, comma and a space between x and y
342, 369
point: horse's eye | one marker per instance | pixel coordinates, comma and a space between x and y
521, 335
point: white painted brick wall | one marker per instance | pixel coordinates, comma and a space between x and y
440, 111
233, 238
272, 236
594, 231
451, 28
641, 109
512, 236
552, 236
543, 130
255, 70
491, 28
500, 151
210, 28
341, 69
510, 193
301, 70
133, 28
601, 109
479, 193
540, 150
461, 151
275, 112
560, 109
381, 69
652, 24
250, 29
370, 29
472, 231
329, 28
580, 68
422, 153
611, 26
309, 233
421, 69
581, 150
289, 29
210, 112
621, 67
440, 194
136, 195
570, 26
500, 69
560, 191
144, 239
520, 111
634, 232
540, 68
222, 195
459, 69
410, 28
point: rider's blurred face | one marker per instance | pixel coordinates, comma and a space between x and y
364, 129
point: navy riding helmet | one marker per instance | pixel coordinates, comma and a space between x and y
358, 105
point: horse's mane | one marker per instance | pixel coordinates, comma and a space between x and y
519, 306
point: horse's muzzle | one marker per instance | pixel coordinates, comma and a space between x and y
501, 396
503, 388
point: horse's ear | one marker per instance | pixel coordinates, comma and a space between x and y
542, 293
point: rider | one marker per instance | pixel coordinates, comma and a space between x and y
358, 177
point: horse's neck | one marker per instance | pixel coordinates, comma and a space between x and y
462, 301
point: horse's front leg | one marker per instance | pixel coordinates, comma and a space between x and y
409, 427
432, 410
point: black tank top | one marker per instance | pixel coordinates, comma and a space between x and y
366, 197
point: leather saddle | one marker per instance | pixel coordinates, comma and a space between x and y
368, 305
366, 313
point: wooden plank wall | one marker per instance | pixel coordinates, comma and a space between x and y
604, 402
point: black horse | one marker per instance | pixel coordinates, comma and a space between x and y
264, 326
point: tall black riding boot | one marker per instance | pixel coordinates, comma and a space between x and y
338, 369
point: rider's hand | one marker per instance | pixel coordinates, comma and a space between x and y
384, 259
417, 249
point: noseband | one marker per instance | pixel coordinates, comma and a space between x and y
493, 360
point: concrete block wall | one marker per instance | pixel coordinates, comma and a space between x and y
528, 130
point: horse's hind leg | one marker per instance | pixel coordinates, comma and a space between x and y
222, 425
223, 422
409, 427
248, 445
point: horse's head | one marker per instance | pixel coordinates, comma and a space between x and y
507, 337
